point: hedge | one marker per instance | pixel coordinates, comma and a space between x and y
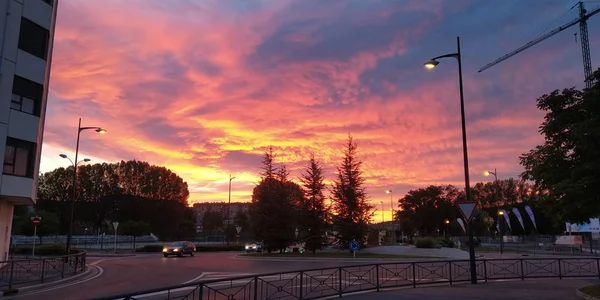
426, 242
43, 249
208, 248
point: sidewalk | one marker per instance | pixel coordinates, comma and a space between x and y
548, 289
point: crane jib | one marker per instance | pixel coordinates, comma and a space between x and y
583, 28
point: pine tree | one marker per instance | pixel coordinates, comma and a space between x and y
314, 215
351, 208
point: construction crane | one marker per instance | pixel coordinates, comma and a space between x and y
585, 43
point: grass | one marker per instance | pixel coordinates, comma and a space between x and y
330, 255
592, 290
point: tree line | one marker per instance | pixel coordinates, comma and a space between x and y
284, 212
151, 198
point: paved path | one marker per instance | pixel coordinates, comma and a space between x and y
550, 289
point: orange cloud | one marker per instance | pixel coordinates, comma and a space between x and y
205, 88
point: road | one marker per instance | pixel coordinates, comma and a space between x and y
148, 271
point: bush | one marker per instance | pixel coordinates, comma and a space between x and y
208, 248
426, 242
44, 249
445, 243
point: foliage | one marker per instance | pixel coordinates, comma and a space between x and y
503, 193
447, 243
135, 178
426, 242
273, 212
567, 165
45, 249
352, 211
134, 228
212, 220
313, 219
48, 224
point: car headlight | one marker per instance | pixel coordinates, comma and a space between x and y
176, 249
247, 247
165, 250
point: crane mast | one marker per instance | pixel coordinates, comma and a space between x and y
585, 43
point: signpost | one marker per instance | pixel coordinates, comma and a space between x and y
467, 209
115, 226
237, 236
36, 222
354, 247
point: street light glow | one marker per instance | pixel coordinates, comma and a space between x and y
100, 130
388, 191
486, 173
501, 213
431, 64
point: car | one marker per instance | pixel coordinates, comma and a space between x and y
254, 247
179, 248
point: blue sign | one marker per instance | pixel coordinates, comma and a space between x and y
354, 245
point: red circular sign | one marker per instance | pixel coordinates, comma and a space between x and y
36, 221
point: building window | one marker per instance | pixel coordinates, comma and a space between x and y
33, 39
48, 1
19, 157
26, 96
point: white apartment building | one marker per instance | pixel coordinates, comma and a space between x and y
26, 37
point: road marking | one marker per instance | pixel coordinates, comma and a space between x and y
194, 279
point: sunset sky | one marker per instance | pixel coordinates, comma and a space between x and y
203, 87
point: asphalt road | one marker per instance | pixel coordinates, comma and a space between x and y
148, 271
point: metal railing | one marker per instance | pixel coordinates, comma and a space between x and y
319, 283
19, 272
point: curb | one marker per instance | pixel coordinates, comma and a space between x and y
108, 255
584, 295
337, 258
25, 289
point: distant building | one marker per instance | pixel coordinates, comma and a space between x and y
223, 207
26, 38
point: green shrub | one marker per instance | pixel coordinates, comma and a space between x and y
44, 250
426, 242
445, 243
202, 248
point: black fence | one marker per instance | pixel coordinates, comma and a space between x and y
319, 283
19, 272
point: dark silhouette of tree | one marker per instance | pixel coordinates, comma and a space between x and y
134, 229
313, 214
567, 165
352, 212
48, 224
212, 221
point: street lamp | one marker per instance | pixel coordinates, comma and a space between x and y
430, 65
72, 163
229, 208
392, 209
74, 196
497, 184
447, 222
382, 211
501, 220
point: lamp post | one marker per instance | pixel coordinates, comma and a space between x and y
430, 65
74, 196
382, 211
497, 184
229, 205
447, 222
392, 209
501, 220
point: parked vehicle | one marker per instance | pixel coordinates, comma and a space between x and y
179, 248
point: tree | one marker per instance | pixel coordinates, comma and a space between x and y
273, 212
314, 221
567, 164
212, 220
425, 210
135, 229
48, 224
352, 211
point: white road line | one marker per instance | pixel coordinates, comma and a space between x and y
194, 279
100, 271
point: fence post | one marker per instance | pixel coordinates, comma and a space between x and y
255, 288
450, 271
10, 278
43, 269
485, 277
340, 281
414, 273
377, 275
301, 285
522, 270
559, 270
201, 292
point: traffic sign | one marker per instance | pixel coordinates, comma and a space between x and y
36, 221
237, 236
238, 229
115, 225
467, 209
354, 245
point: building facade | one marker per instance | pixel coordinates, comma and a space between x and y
26, 38
223, 207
